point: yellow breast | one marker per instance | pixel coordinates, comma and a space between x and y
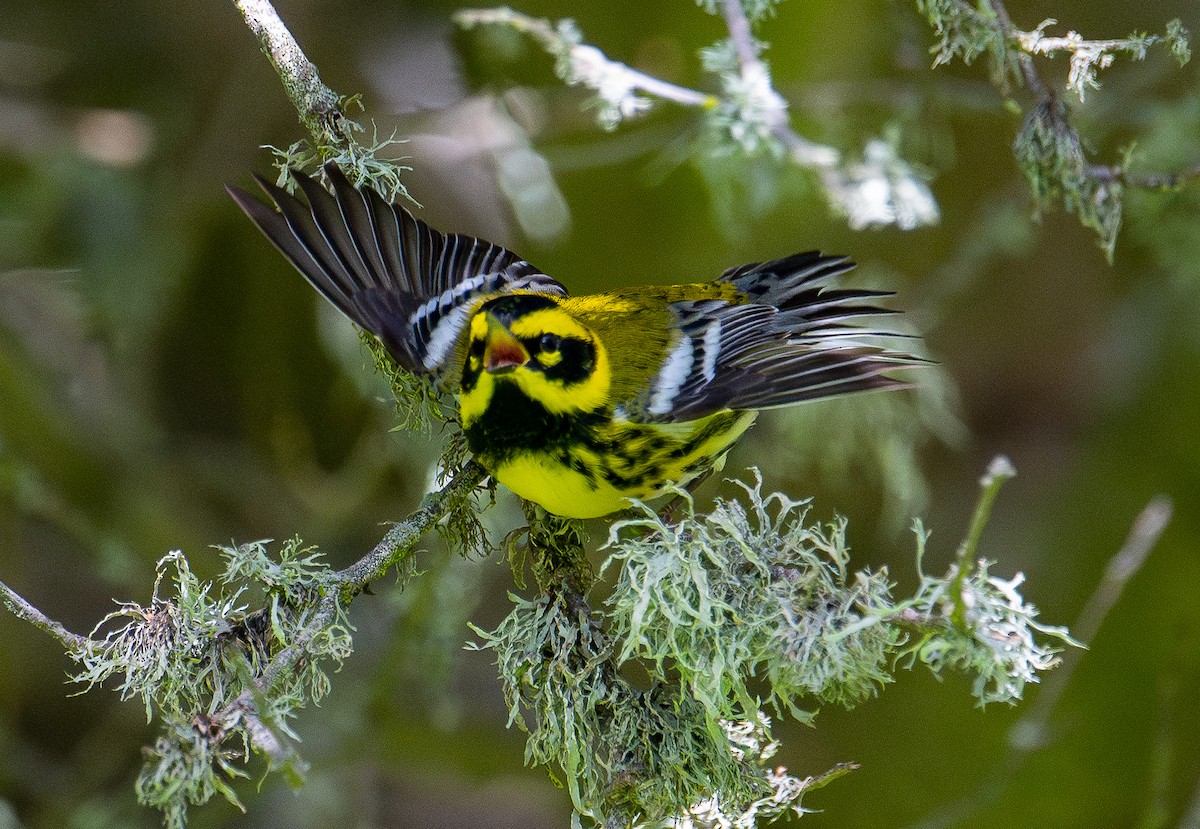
560, 489
624, 460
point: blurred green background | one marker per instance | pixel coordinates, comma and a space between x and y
166, 381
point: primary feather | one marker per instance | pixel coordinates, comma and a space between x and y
389, 272
579, 403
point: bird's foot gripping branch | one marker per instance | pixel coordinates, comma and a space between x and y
729, 618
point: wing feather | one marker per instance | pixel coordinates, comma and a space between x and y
386, 270
791, 338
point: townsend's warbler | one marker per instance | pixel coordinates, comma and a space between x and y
577, 403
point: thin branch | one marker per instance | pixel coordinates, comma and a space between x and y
1029, 732
669, 91
402, 537
320, 111
1191, 816
999, 471
803, 151
1029, 71
820, 781
1143, 535
1145, 181
585, 61
319, 106
22, 609
592, 68
741, 36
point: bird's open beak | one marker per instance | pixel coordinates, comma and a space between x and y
503, 352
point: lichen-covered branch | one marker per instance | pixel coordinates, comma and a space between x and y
223, 673
72, 643
746, 611
321, 110
1048, 148
319, 107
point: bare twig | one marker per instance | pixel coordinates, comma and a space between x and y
1191, 817
1143, 535
1029, 732
740, 35
1144, 181
823, 779
585, 59
1010, 32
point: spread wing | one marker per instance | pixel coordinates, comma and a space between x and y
791, 339
386, 270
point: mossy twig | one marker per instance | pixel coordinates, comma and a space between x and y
999, 471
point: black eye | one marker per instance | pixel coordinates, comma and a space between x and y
549, 343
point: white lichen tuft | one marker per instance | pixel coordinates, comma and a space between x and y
615, 84
883, 189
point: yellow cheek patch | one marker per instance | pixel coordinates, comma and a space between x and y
472, 404
591, 393
587, 395
479, 327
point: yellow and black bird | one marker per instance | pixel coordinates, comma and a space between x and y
579, 402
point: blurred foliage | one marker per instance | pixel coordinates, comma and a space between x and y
165, 383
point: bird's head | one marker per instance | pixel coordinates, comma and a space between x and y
531, 342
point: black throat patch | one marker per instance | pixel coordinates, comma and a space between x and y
514, 423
